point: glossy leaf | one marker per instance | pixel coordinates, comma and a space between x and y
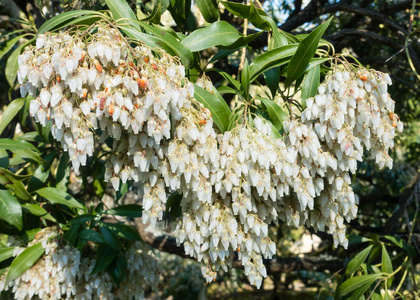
63, 18
129, 210
180, 11
111, 237
360, 291
124, 231
310, 84
183, 52
14, 183
104, 256
118, 268
219, 109
240, 10
355, 263
4, 158
71, 235
277, 115
13, 145
356, 282
6, 253
63, 172
82, 219
386, 266
10, 210
256, 19
245, 80
24, 261
91, 235
304, 53
209, 9
148, 39
270, 59
12, 64
57, 196
31, 156
10, 44
220, 33
38, 211
241, 42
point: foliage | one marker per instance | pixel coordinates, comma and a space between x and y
297, 113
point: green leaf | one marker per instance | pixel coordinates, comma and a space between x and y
277, 115
155, 15
228, 77
358, 293
104, 256
10, 44
148, 39
180, 11
37, 210
6, 253
14, 183
402, 244
386, 265
356, 282
242, 41
129, 210
270, 59
91, 235
173, 207
63, 18
124, 231
208, 9
23, 262
63, 172
13, 145
111, 237
183, 52
256, 19
12, 64
118, 268
310, 84
245, 80
71, 235
121, 10
10, 210
4, 159
304, 53
55, 195
219, 109
82, 219
219, 33
355, 239
31, 156
240, 10
355, 263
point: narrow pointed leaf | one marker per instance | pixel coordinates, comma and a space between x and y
219, 109
355, 263
104, 256
37, 210
386, 265
220, 33
276, 114
24, 261
356, 282
270, 59
129, 210
63, 18
304, 53
10, 210
310, 84
6, 253
208, 9
57, 196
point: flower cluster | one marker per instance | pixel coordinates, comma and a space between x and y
233, 184
62, 273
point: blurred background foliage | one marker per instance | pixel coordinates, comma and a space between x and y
381, 34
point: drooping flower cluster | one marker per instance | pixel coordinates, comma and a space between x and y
233, 184
62, 273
